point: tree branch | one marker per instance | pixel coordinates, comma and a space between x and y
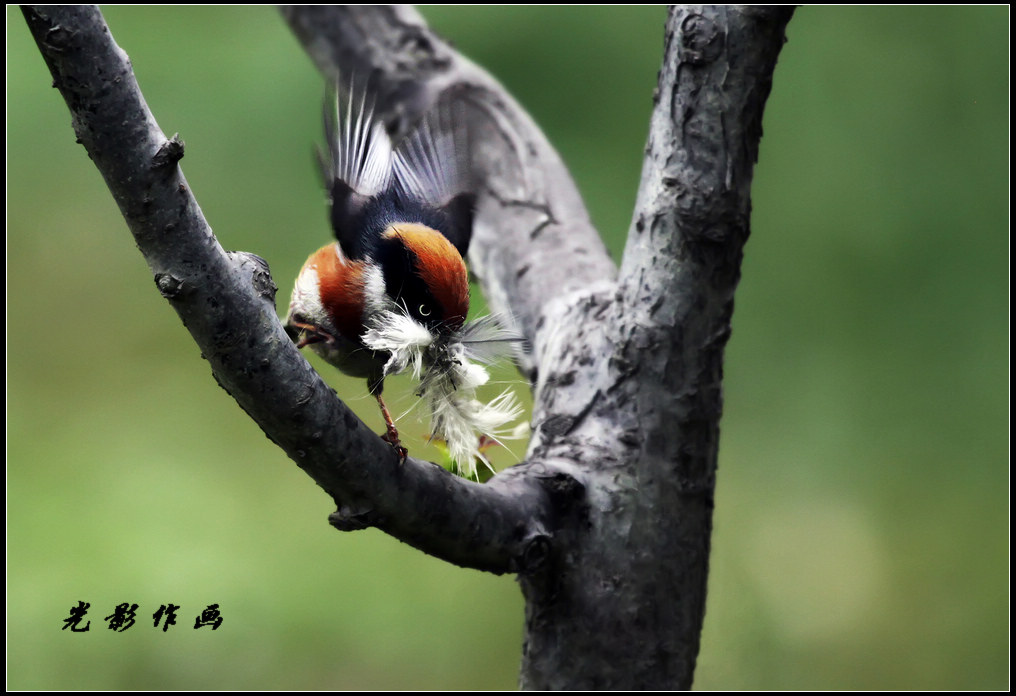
609, 519
226, 301
682, 261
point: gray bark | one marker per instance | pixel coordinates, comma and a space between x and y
608, 520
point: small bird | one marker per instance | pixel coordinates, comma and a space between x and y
392, 293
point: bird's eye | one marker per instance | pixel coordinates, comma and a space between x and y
424, 310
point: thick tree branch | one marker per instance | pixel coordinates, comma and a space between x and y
226, 301
660, 359
682, 261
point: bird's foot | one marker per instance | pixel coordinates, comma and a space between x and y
391, 435
392, 438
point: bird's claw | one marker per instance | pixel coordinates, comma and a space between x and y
392, 438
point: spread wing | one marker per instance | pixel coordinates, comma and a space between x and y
365, 174
359, 161
432, 165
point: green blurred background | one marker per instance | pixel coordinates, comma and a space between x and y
862, 507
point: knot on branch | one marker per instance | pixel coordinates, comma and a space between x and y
564, 489
169, 153
567, 494
352, 519
701, 40
59, 38
535, 552
169, 286
260, 273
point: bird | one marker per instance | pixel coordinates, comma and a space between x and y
391, 293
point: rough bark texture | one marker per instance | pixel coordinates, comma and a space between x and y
608, 521
226, 301
648, 396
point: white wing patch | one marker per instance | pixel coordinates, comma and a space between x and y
361, 148
427, 163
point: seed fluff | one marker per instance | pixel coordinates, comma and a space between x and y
449, 378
